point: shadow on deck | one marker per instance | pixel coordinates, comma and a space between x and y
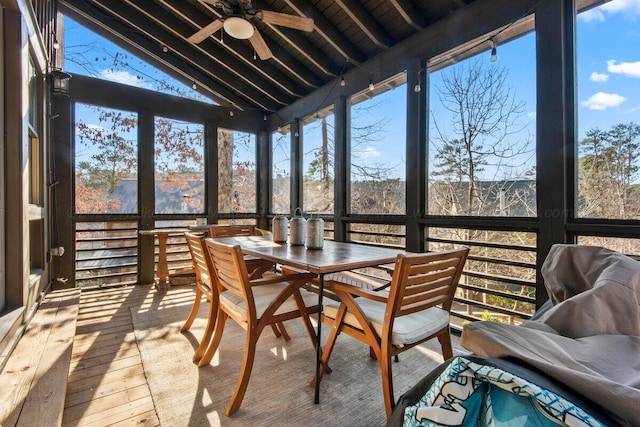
131, 365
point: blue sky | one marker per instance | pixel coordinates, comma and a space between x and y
89, 54
608, 64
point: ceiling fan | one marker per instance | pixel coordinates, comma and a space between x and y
237, 23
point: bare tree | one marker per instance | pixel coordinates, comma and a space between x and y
482, 137
478, 152
372, 189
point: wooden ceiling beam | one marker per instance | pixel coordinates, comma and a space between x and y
97, 21
472, 22
363, 19
299, 42
311, 53
159, 24
328, 31
410, 14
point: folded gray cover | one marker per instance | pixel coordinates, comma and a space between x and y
590, 338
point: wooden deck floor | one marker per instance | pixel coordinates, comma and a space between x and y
106, 383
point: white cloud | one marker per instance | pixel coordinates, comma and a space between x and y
124, 77
591, 15
532, 115
601, 101
368, 153
630, 8
629, 69
599, 77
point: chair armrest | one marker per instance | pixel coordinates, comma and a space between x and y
352, 290
262, 232
301, 277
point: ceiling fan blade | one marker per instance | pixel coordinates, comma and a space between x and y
206, 31
260, 46
285, 20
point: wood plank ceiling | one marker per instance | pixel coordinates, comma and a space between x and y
346, 34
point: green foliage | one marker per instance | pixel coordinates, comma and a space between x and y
491, 318
608, 164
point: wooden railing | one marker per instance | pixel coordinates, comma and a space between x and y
498, 282
107, 253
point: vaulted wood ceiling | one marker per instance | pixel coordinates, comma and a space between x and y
346, 34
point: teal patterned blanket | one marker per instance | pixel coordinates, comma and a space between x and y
473, 394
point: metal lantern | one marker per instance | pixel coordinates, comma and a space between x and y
315, 233
297, 226
60, 82
279, 226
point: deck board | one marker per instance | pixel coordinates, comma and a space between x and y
106, 381
34, 375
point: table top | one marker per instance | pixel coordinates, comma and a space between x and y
334, 257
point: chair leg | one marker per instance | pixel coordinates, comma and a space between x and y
283, 331
194, 311
387, 382
215, 342
245, 372
445, 343
275, 330
208, 332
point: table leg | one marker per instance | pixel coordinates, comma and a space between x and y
163, 268
318, 342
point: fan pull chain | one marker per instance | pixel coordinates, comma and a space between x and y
254, 54
222, 37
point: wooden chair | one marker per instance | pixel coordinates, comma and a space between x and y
414, 310
256, 266
204, 286
254, 304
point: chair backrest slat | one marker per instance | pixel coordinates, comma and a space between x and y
421, 281
198, 257
229, 267
440, 276
231, 230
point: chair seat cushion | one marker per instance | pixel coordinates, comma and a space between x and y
358, 280
407, 329
263, 296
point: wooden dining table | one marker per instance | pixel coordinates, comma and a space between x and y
333, 258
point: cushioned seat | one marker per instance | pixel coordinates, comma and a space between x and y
406, 329
254, 304
413, 310
263, 296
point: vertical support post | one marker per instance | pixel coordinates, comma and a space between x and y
416, 166
342, 173
62, 192
146, 196
297, 143
211, 171
263, 179
556, 126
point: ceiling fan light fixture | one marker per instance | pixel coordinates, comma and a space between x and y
238, 28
